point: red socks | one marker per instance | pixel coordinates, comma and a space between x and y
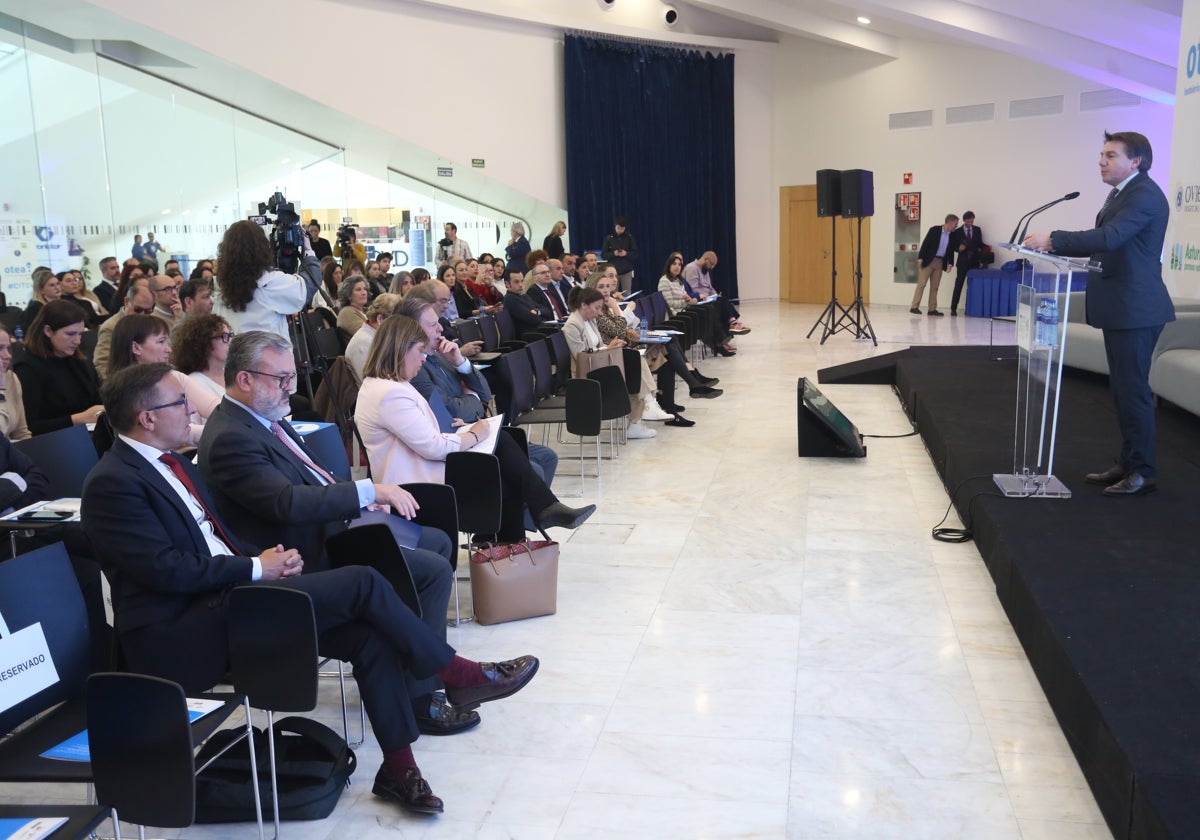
398, 762
461, 673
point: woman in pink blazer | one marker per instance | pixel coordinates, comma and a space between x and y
405, 444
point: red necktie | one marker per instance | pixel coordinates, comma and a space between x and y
172, 462
552, 295
278, 431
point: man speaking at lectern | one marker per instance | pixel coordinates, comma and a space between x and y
1126, 298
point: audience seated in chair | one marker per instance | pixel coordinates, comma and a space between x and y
171, 560
138, 300
13, 424
59, 385
360, 344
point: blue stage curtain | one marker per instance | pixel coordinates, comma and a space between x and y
649, 136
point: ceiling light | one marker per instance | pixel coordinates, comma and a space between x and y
167, 212
864, 20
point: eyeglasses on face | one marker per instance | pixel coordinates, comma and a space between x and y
172, 404
225, 337
285, 380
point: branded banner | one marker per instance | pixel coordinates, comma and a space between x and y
1181, 262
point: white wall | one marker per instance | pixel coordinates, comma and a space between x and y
442, 79
831, 110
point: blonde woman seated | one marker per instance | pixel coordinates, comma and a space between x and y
583, 336
405, 444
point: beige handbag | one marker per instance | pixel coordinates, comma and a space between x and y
585, 363
512, 581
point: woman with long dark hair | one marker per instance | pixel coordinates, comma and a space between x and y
59, 385
251, 294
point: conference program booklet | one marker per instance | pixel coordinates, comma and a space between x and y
76, 748
488, 442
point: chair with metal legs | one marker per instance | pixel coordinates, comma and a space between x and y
478, 495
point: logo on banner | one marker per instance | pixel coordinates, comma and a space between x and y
1185, 257
43, 233
1192, 68
1187, 198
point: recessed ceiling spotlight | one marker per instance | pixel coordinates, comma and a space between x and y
864, 20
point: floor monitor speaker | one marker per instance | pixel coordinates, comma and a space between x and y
829, 192
821, 430
858, 193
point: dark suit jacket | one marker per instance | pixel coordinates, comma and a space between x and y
974, 243
265, 493
539, 297
929, 247
436, 375
104, 293
13, 460
521, 307
1128, 291
147, 542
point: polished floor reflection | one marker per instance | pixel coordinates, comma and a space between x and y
750, 644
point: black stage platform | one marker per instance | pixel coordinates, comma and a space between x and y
1103, 593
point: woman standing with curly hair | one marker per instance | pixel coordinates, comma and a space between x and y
251, 293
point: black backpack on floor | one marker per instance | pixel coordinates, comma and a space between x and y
312, 761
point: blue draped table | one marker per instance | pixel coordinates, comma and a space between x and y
993, 293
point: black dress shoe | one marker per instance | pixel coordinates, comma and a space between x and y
680, 421
411, 792
705, 380
1133, 484
503, 679
721, 351
559, 515
440, 718
953, 313
674, 409
705, 393
1110, 476
936, 312
915, 311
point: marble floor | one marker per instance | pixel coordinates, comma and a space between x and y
750, 644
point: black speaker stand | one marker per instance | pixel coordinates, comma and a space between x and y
830, 319
856, 314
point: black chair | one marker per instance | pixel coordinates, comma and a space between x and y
143, 758
544, 384
584, 410
507, 330
39, 587
273, 657
478, 494
614, 396
468, 331
492, 341
561, 353
515, 395
65, 456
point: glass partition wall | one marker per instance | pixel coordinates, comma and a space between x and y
96, 153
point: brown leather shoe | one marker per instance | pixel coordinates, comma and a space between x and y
1110, 476
503, 680
1133, 484
411, 793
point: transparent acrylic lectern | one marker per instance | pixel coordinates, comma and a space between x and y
1042, 306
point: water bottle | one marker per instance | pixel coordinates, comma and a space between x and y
19, 334
1052, 321
1039, 333
645, 328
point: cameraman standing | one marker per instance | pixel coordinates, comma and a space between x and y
251, 293
347, 245
452, 248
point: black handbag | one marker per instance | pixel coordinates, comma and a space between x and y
313, 764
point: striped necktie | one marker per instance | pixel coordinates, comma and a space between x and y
1108, 202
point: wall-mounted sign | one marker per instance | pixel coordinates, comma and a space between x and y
477, 163
445, 171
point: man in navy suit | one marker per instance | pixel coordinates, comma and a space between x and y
967, 242
935, 256
172, 561
1126, 298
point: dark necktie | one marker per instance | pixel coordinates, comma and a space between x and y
552, 296
278, 431
1108, 202
172, 462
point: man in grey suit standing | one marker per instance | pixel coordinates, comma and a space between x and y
1126, 298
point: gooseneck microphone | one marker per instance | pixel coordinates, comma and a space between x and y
1028, 217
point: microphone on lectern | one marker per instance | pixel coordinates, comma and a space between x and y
1016, 240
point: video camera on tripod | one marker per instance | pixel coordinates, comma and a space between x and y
287, 233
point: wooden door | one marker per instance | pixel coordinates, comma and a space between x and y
806, 250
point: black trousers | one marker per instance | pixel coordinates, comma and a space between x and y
360, 619
520, 486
